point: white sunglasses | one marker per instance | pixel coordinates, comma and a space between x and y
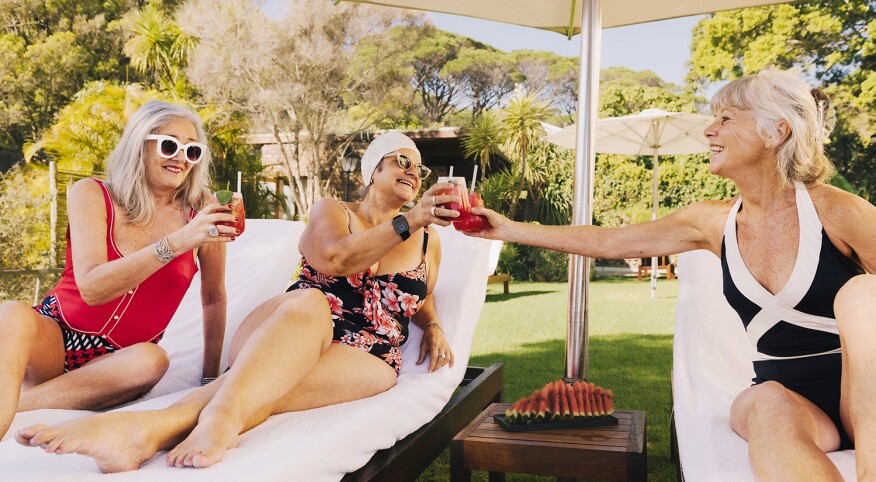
168, 147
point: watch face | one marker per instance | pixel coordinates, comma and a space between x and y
400, 224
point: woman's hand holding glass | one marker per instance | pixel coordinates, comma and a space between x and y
496, 224
430, 209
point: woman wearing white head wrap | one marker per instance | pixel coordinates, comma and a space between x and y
335, 336
383, 145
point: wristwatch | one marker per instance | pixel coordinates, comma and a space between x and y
400, 224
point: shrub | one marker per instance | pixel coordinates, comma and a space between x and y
528, 263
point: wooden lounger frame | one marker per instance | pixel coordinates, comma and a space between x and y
410, 456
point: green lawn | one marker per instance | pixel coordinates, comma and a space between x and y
630, 352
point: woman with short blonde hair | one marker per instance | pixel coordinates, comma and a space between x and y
797, 257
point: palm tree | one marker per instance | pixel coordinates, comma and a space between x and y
159, 48
523, 129
482, 138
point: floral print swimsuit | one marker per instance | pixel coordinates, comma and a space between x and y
371, 312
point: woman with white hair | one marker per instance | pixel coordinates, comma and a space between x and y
132, 242
794, 253
367, 272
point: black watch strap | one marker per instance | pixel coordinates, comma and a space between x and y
400, 224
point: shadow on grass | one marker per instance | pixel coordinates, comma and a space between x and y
496, 297
635, 367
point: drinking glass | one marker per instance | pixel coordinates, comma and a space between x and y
238, 212
466, 221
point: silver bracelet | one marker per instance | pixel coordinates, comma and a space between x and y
163, 251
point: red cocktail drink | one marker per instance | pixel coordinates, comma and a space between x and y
238, 212
472, 222
466, 221
459, 190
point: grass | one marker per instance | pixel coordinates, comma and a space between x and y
630, 353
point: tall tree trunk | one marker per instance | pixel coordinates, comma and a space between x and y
295, 183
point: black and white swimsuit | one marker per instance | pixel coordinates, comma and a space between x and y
794, 331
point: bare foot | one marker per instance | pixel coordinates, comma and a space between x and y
207, 443
116, 441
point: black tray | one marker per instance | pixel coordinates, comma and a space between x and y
528, 427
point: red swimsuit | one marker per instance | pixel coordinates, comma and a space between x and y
139, 315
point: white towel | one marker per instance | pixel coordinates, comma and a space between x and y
315, 445
711, 365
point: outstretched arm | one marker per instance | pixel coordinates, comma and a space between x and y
694, 227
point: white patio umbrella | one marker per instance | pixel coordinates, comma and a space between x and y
570, 17
652, 131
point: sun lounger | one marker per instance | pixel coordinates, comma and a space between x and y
403, 428
711, 365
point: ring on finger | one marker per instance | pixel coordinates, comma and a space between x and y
213, 231
433, 200
433, 211
442, 356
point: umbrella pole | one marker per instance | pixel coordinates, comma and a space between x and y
577, 343
654, 263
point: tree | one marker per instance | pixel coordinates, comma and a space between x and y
552, 77
231, 154
88, 129
622, 192
515, 132
551, 186
24, 230
482, 138
834, 42
297, 78
158, 49
486, 76
523, 118
432, 50
48, 51
623, 91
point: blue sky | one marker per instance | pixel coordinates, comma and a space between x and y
662, 47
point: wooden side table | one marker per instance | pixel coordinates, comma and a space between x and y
607, 453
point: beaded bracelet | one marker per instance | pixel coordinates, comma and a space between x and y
163, 251
432, 323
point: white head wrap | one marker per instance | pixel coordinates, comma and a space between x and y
383, 145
